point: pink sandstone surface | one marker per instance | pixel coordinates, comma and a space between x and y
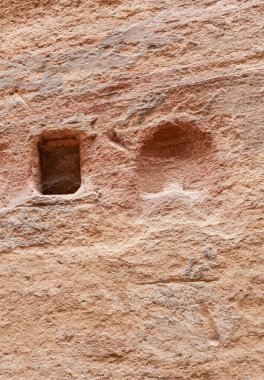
154, 267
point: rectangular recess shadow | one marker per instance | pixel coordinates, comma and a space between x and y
60, 171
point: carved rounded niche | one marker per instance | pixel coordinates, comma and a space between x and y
174, 154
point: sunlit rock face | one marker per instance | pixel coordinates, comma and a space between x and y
131, 190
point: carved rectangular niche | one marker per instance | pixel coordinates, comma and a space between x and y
60, 171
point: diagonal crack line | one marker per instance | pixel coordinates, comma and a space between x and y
178, 280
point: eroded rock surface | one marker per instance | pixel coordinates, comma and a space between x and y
153, 268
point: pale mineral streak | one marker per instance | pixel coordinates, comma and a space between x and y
153, 268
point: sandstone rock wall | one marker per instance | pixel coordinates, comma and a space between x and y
153, 269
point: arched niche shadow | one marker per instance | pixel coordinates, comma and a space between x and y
174, 153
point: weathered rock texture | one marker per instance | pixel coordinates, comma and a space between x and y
153, 269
